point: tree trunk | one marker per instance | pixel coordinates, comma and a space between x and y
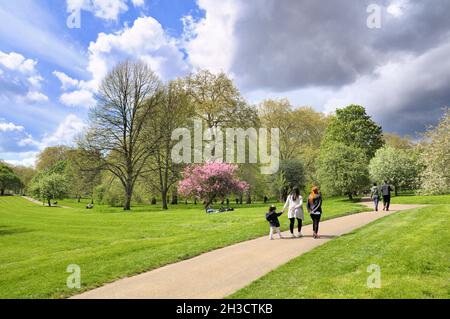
395, 191
249, 199
79, 198
49, 202
2, 192
350, 196
127, 205
164, 199
240, 199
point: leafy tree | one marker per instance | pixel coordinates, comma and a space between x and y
435, 156
50, 156
398, 142
25, 174
211, 181
342, 169
8, 179
127, 98
292, 173
353, 127
400, 167
299, 128
49, 186
217, 100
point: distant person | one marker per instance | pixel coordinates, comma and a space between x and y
272, 218
294, 204
265, 199
375, 195
314, 207
386, 192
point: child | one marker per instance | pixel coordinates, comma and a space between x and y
272, 218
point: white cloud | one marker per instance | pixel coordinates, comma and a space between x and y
79, 98
36, 97
35, 81
66, 81
103, 9
17, 62
20, 159
210, 42
10, 127
66, 132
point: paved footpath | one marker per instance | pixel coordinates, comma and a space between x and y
221, 272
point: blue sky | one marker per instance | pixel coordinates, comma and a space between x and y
324, 56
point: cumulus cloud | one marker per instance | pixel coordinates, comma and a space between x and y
9, 127
103, 9
79, 98
66, 81
20, 79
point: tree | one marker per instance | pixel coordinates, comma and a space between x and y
174, 111
50, 156
398, 142
299, 128
435, 156
342, 169
49, 187
400, 167
25, 174
211, 181
353, 127
127, 98
292, 174
217, 100
8, 179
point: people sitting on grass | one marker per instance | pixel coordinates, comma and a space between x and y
375, 195
386, 192
294, 204
314, 207
272, 218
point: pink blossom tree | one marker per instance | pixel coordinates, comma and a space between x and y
210, 181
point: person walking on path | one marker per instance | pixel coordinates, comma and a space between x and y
375, 195
314, 207
294, 203
272, 218
386, 192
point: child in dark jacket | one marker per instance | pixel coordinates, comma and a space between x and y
272, 218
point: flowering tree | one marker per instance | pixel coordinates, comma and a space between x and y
210, 181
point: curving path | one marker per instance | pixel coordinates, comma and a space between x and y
221, 272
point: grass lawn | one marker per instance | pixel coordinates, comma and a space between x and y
433, 200
411, 247
38, 243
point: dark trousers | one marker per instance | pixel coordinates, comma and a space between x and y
292, 224
316, 220
386, 201
376, 200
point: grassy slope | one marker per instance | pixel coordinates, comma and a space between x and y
38, 243
411, 247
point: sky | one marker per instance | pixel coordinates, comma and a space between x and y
391, 56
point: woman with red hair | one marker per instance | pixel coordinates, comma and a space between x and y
314, 207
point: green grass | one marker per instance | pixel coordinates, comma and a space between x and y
38, 243
411, 247
432, 200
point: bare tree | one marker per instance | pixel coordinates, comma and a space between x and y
127, 98
174, 111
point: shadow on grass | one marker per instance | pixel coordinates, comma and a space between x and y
6, 230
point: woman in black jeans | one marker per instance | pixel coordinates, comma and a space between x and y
314, 207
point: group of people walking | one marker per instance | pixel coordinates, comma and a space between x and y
384, 191
294, 205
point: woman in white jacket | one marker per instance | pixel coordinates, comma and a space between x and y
294, 204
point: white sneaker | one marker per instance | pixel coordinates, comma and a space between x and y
271, 238
292, 235
300, 235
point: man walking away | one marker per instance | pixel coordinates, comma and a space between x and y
386, 192
375, 195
